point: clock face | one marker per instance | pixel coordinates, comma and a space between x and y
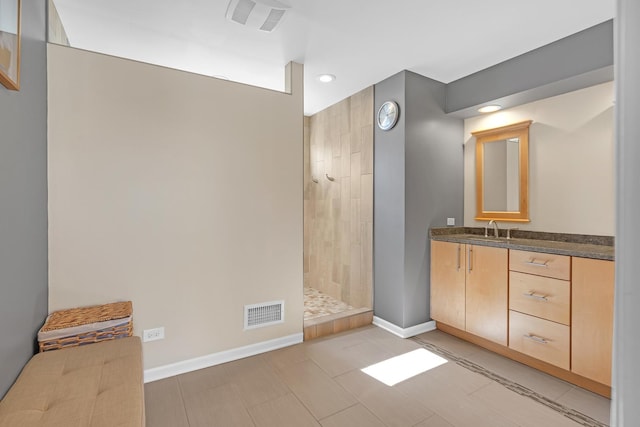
388, 115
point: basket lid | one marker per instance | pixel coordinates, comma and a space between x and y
83, 315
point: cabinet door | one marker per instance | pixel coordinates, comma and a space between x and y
592, 288
486, 292
447, 283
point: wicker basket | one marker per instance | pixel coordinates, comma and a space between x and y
86, 325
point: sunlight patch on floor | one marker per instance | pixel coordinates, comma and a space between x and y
400, 368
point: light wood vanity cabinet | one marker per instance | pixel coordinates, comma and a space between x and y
553, 312
592, 318
469, 288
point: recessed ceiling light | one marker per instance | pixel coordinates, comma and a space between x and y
489, 108
326, 78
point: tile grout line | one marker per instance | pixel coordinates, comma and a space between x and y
184, 403
570, 413
278, 373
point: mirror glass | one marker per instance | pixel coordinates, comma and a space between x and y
502, 156
501, 175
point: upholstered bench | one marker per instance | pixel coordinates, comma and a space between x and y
93, 385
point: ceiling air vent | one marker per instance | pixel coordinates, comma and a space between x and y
264, 314
263, 15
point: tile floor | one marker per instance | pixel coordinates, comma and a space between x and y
320, 383
318, 304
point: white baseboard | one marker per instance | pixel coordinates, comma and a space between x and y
166, 371
404, 332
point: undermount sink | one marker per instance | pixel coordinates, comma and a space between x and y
490, 238
483, 238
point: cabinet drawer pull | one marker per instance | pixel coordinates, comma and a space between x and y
536, 338
533, 262
532, 294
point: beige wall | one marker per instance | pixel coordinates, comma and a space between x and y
338, 246
571, 187
180, 192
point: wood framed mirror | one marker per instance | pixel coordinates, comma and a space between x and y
10, 43
502, 173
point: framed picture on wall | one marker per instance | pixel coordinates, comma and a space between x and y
10, 43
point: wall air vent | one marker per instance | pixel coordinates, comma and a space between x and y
263, 15
264, 314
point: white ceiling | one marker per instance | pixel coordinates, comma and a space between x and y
360, 41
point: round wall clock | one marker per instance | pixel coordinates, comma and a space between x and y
387, 116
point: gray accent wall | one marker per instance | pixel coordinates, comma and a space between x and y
389, 205
418, 183
625, 410
23, 201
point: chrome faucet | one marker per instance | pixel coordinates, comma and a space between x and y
496, 233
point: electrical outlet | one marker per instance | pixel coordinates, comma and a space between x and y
451, 221
153, 334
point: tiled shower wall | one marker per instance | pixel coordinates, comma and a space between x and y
338, 208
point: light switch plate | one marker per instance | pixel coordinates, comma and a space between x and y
451, 221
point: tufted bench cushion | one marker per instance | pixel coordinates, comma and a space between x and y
94, 385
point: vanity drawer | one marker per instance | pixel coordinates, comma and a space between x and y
539, 338
541, 264
539, 296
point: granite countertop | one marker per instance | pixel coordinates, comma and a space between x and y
579, 245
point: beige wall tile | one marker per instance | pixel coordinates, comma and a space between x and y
355, 175
361, 320
355, 225
366, 195
340, 325
310, 332
356, 139
344, 115
334, 211
345, 153
356, 268
324, 329
367, 149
